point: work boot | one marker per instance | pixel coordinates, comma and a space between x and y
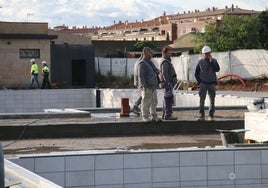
170, 118
201, 118
136, 110
146, 120
211, 118
156, 119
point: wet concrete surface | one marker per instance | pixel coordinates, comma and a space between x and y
109, 143
136, 142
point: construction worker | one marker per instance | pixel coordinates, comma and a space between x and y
169, 77
135, 109
34, 74
148, 83
45, 72
205, 74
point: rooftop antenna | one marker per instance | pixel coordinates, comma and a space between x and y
29, 14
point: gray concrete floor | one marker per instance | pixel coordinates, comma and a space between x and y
123, 142
114, 117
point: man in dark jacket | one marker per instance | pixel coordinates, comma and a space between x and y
205, 74
148, 83
169, 79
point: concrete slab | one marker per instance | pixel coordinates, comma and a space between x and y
256, 122
50, 113
113, 126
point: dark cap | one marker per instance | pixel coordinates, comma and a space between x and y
147, 49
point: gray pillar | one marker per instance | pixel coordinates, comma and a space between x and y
98, 99
2, 171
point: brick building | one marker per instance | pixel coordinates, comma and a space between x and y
195, 21
163, 28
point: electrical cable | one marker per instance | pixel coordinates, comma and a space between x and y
23, 131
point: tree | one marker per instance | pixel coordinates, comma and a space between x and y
141, 44
231, 33
263, 17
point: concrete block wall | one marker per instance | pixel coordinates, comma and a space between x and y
189, 167
26, 178
111, 98
36, 100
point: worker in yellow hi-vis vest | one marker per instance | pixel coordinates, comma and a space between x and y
45, 72
34, 74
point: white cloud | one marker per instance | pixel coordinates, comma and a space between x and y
105, 12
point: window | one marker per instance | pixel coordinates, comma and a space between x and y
29, 53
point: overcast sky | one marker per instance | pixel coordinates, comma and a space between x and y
104, 12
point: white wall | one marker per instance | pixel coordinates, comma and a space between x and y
189, 167
17, 174
19, 101
36, 100
247, 64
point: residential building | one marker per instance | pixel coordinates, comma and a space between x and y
195, 21
157, 29
84, 31
163, 28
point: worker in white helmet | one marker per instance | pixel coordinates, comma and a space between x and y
205, 74
45, 72
34, 74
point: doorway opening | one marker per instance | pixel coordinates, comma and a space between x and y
79, 72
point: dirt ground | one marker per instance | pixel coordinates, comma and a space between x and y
251, 85
260, 85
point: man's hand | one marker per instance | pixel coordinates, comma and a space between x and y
210, 58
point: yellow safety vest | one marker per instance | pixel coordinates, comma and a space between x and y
34, 69
45, 69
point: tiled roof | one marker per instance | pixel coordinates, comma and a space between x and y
164, 19
75, 30
80, 30
213, 11
156, 22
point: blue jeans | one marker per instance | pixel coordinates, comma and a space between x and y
34, 77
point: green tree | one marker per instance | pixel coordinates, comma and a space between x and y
139, 45
231, 33
263, 17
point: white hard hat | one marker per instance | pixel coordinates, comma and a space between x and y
32, 60
44, 62
206, 49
